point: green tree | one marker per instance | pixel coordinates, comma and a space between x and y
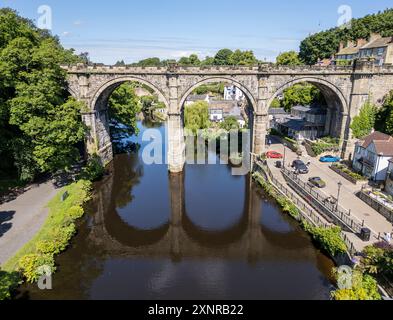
222, 58
275, 104
363, 124
325, 44
290, 58
196, 116
230, 123
40, 126
123, 110
244, 58
301, 94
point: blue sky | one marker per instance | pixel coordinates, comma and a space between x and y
133, 30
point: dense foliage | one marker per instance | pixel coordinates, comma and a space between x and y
325, 44
329, 239
303, 94
39, 125
364, 122
364, 287
290, 58
230, 123
222, 57
123, 110
196, 116
211, 88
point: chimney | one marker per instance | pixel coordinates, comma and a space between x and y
351, 44
342, 46
374, 36
361, 42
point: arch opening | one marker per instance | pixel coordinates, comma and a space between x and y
324, 116
115, 119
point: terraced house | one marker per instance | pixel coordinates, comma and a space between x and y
377, 47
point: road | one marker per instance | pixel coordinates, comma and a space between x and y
348, 199
22, 218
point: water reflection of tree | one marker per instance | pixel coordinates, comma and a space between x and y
127, 174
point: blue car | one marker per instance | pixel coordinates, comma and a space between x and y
330, 159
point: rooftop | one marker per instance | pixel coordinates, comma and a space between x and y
383, 143
378, 43
348, 50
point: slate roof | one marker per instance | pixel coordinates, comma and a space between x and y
383, 143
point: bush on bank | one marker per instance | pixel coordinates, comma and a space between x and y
53, 238
362, 287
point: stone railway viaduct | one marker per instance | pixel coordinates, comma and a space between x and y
345, 88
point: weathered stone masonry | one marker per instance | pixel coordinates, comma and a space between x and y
345, 89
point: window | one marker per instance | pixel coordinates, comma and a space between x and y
380, 51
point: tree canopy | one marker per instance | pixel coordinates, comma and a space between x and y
40, 125
289, 58
325, 44
303, 94
363, 124
196, 116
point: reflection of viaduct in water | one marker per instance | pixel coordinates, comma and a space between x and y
181, 238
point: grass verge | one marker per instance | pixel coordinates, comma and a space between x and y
52, 239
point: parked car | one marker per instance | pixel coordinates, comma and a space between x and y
317, 182
274, 155
330, 159
300, 167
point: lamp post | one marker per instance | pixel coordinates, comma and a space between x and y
285, 154
338, 194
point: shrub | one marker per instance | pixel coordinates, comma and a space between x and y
30, 264
94, 169
328, 238
364, 287
378, 259
9, 281
76, 212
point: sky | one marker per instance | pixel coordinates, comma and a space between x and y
132, 30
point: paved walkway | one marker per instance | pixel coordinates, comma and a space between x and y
348, 198
22, 218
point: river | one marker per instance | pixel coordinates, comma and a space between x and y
204, 234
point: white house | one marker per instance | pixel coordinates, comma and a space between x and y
216, 115
233, 93
372, 156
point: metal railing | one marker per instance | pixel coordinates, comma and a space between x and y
305, 211
323, 203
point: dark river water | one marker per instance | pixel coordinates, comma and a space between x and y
203, 234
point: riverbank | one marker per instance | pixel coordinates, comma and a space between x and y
53, 238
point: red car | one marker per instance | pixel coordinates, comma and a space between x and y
274, 155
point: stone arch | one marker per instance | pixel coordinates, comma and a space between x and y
325, 86
106, 89
243, 88
335, 100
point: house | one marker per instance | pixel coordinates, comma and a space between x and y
195, 97
372, 156
216, 115
276, 116
304, 122
389, 178
349, 51
233, 93
378, 48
